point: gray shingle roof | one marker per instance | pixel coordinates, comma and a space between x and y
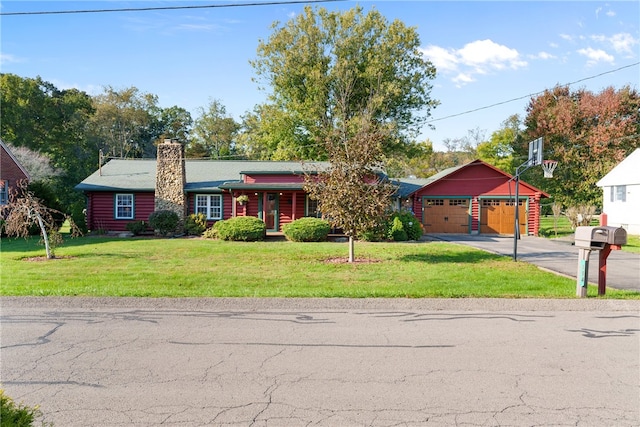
210, 175
216, 175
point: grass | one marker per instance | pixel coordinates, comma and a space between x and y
101, 266
564, 229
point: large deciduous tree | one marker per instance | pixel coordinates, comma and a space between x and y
498, 150
125, 122
214, 133
588, 133
173, 123
310, 61
52, 123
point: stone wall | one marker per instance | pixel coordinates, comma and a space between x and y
171, 179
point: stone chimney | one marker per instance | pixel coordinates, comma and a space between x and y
171, 179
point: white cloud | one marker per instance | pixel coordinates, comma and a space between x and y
477, 57
566, 37
442, 58
623, 43
462, 79
610, 13
595, 55
542, 55
6, 58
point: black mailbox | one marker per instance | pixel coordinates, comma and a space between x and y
598, 237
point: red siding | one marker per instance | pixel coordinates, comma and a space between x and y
101, 210
534, 215
273, 179
10, 172
227, 206
475, 215
475, 180
479, 179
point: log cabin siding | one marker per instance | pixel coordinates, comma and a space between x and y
101, 210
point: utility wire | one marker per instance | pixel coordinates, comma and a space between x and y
530, 95
142, 9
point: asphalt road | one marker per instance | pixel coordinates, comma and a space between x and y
329, 362
560, 256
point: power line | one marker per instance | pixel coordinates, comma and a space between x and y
142, 9
530, 95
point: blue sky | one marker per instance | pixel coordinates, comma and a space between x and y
485, 52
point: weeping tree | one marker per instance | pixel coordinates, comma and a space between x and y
25, 210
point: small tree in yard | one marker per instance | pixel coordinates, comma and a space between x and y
25, 210
352, 193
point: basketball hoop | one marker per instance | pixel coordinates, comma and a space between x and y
548, 166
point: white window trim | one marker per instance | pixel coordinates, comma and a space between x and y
618, 193
209, 208
4, 192
116, 206
316, 213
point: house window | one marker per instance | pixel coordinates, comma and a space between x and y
434, 202
312, 208
124, 206
619, 193
210, 205
4, 192
458, 202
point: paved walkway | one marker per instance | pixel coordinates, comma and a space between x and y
560, 256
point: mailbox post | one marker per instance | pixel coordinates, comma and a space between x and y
603, 239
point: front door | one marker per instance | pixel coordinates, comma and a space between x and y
271, 212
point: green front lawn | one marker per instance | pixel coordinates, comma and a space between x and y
100, 266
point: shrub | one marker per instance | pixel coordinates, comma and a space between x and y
580, 215
210, 233
15, 415
307, 229
397, 231
136, 227
410, 225
241, 228
195, 224
78, 213
164, 222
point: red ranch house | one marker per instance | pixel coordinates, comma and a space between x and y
473, 198
124, 191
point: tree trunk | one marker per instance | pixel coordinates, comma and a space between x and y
351, 249
45, 236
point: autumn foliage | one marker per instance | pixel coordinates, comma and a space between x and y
587, 133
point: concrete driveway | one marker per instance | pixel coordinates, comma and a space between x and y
560, 256
329, 362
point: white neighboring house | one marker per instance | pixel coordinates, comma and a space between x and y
621, 194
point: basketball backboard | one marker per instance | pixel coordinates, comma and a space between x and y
535, 152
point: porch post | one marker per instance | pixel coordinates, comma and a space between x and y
293, 205
233, 204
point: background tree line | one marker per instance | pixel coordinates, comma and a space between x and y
330, 77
